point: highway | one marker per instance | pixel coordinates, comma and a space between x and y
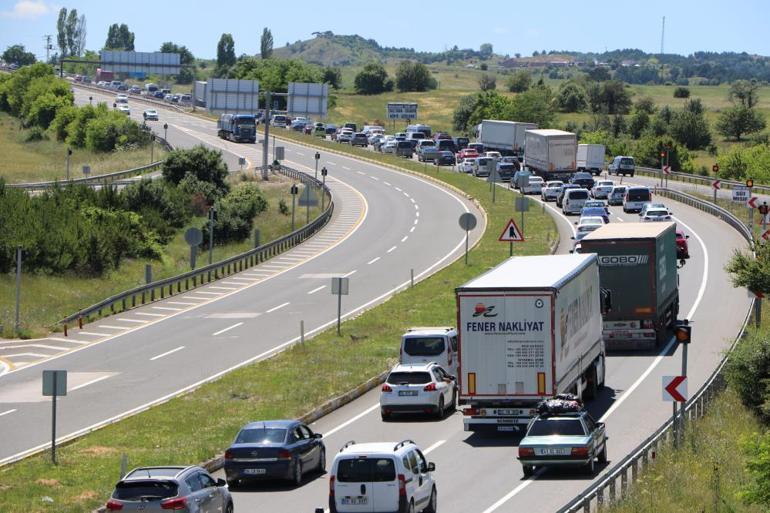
479, 473
385, 224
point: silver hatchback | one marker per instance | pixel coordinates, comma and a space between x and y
187, 489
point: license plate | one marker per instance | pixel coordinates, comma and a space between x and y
506, 428
508, 412
407, 393
355, 501
555, 451
505, 421
255, 471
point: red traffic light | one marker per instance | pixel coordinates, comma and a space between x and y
683, 333
662, 154
750, 182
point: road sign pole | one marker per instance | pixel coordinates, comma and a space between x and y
265, 143
17, 323
751, 211
193, 254
53, 418
510, 248
683, 406
339, 310
466, 247
212, 212
674, 424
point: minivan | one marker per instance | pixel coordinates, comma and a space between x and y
621, 165
404, 149
635, 199
425, 345
483, 166
573, 201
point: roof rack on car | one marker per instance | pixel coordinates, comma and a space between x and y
347, 444
421, 328
403, 443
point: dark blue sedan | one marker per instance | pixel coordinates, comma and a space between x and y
274, 449
596, 211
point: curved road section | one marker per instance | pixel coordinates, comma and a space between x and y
386, 224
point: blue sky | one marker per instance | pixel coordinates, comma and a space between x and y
511, 26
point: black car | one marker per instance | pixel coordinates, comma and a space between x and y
565, 188
445, 158
331, 129
461, 143
274, 449
446, 145
505, 171
359, 139
584, 180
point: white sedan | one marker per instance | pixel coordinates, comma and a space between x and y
465, 165
420, 388
602, 189
122, 107
535, 186
655, 214
551, 190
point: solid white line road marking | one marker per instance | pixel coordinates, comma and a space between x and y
167, 308
350, 421
166, 353
7, 412
94, 334
405, 237
391, 249
434, 446
40, 346
89, 383
139, 321
513, 492
112, 327
277, 307
227, 329
373, 260
208, 293
197, 297
150, 314
36, 355
351, 273
317, 289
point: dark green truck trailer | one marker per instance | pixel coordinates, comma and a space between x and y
637, 263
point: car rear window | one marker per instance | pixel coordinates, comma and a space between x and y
148, 490
424, 346
366, 470
409, 378
638, 195
547, 427
506, 167
626, 162
578, 194
404, 144
266, 435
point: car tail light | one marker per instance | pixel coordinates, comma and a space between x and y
401, 485
174, 504
525, 452
431, 387
580, 452
113, 505
386, 388
331, 486
283, 454
228, 454
470, 411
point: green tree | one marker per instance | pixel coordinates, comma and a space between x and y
333, 77
757, 449
71, 28
533, 106
486, 51
645, 104
373, 79
739, 120
186, 58
487, 82
463, 112
225, 55
520, 81
638, 123
739, 163
571, 97
610, 97
647, 150
689, 126
681, 92
266, 44
745, 93
119, 37
61, 32
17, 54
275, 74
203, 163
414, 76
599, 74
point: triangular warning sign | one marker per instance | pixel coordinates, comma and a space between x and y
511, 233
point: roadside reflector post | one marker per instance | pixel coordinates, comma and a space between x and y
302, 332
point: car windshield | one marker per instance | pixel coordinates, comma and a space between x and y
408, 378
604, 184
548, 427
261, 435
137, 490
366, 470
424, 346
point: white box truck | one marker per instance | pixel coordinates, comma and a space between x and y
506, 137
551, 154
590, 157
528, 329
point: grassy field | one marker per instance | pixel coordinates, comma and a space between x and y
47, 299
46, 160
284, 386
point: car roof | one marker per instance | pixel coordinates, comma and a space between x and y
591, 220
380, 448
413, 367
263, 424
154, 472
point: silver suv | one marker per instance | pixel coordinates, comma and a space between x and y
622, 165
188, 489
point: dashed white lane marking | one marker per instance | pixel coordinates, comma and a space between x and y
110, 327
406, 194
351, 273
417, 213
434, 446
399, 189
138, 321
350, 421
227, 329
298, 153
405, 237
198, 298
330, 162
412, 200
416, 221
170, 309
620, 219
89, 383
391, 249
148, 314
416, 206
181, 303
241, 281
346, 167
386, 183
373, 260
317, 289
412, 229
374, 178
70, 340
277, 307
6, 412
94, 334
161, 355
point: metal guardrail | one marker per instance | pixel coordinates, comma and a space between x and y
608, 490
184, 282
698, 179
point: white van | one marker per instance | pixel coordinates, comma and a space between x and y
425, 345
573, 202
483, 166
381, 477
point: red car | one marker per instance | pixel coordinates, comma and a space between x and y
467, 153
682, 251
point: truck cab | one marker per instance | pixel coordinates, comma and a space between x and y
428, 344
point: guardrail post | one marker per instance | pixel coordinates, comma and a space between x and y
152, 294
133, 300
624, 482
612, 490
635, 469
143, 297
112, 308
124, 304
644, 458
599, 498
162, 291
587, 505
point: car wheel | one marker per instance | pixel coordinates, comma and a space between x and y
297, 478
229, 508
411, 506
453, 405
432, 503
233, 484
603, 454
385, 416
440, 409
322, 461
528, 470
591, 467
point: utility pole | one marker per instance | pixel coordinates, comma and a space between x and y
48, 47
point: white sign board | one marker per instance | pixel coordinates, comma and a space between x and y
232, 95
402, 111
741, 194
308, 99
147, 63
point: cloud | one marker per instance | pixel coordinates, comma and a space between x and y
28, 10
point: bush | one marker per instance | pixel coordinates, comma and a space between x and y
63, 118
162, 207
200, 194
414, 76
35, 134
373, 79
283, 208
748, 372
487, 82
235, 213
204, 164
681, 92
